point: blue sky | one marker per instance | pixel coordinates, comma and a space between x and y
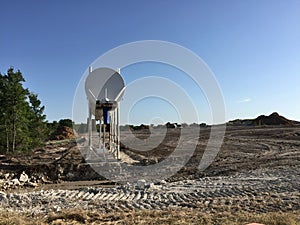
253, 47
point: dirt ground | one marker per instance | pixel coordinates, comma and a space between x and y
244, 149
257, 170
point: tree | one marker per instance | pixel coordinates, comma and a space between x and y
66, 123
37, 123
13, 104
22, 117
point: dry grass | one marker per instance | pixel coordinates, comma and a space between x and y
153, 217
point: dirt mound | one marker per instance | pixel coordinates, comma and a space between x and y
63, 133
140, 127
273, 119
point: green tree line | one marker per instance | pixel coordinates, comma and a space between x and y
22, 120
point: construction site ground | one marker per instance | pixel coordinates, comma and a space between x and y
257, 170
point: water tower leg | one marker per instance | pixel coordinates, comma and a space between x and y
90, 129
118, 131
104, 133
110, 132
100, 132
114, 134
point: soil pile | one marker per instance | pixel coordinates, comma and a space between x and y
63, 133
273, 119
140, 127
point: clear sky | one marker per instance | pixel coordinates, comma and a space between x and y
252, 46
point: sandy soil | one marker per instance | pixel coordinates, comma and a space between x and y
257, 170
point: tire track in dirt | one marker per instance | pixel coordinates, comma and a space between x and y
248, 192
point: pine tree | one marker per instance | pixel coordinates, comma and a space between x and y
37, 122
21, 116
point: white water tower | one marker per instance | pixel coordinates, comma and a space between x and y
104, 89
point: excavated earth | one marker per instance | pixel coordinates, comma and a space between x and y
256, 170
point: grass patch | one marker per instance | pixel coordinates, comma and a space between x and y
186, 216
